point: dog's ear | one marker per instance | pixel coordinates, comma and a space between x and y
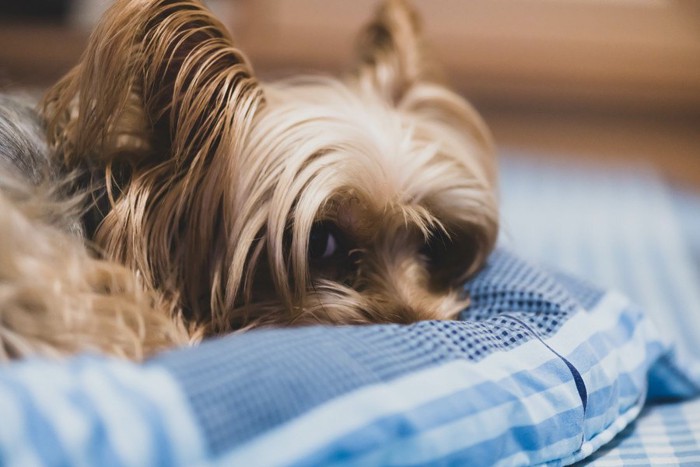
160, 80
391, 51
156, 109
396, 64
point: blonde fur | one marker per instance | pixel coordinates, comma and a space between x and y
56, 299
310, 200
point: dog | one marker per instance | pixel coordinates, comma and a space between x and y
164, 195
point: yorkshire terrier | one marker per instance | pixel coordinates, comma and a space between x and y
163, 194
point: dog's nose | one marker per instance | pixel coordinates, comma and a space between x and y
406, 314
434, 310
396, 312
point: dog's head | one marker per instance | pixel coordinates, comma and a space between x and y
366, 199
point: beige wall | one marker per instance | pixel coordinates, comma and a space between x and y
628, 53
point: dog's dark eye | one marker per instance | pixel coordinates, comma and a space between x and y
323, 241
436, 247
329, 253
450, 257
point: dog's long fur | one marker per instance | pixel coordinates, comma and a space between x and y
55, 297
234, 203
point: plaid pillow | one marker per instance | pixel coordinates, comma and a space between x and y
542, 368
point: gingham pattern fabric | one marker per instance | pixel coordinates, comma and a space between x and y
624, 229
323, 364
621, 229
536, 377
91, 411
543, 369
663, 435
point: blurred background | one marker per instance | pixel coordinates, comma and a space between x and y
594, 106
606, 81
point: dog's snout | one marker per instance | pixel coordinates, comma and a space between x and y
407, 314
404, 314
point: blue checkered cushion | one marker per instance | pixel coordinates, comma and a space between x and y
542, 368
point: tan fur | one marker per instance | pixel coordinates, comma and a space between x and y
56, 299
218, 182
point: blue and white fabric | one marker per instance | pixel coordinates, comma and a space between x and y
621, 229
663, 435
542, 369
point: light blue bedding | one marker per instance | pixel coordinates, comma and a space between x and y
542, 368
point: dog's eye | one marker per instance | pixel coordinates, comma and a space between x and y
323, 241
329, 253
449, 257
436, 247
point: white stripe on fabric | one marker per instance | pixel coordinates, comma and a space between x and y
666, 449
331, 421
174, 410
603, 318
54, 402
128, 401
628, 359
663, 440
604, 437
448, 438
12, 431
434, 444
650, 461
132, 445
548, 454
606, 315
645, 430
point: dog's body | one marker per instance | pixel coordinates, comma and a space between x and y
236, 204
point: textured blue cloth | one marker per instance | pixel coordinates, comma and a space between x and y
662, 435
542, 368
626, 230
622, 229
529, 376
